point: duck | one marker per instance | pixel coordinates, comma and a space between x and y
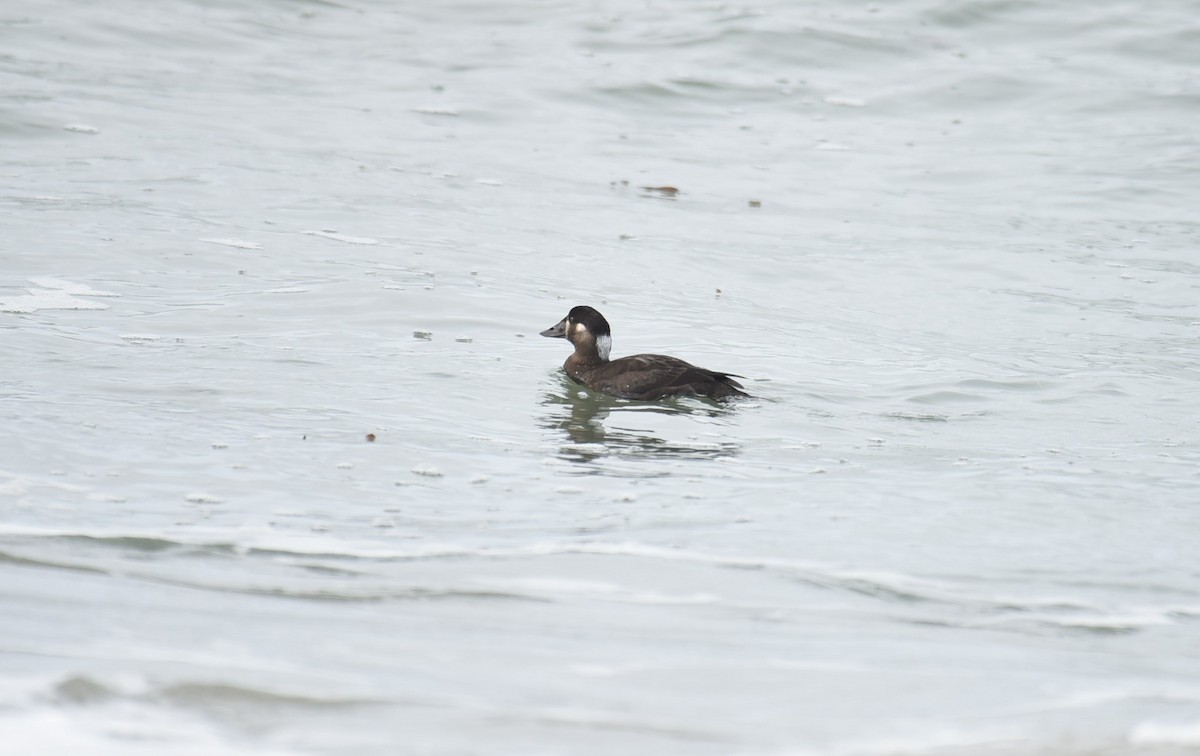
647, 377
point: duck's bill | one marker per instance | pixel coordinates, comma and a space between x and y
557, 331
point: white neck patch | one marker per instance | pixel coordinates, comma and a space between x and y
604, 346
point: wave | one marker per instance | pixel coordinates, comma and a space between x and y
320, 568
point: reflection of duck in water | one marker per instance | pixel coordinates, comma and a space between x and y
596, 427
640, 376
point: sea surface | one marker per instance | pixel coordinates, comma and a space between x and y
285, 467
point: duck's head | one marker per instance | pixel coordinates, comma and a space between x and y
586, 329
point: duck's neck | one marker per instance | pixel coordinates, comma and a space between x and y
583, 360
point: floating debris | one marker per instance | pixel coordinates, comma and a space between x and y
201, 498
662, 191
140, 338
845, 102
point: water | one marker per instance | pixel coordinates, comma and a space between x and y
951, 246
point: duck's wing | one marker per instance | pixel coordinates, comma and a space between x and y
654, 376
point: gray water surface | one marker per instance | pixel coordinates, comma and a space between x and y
951, 246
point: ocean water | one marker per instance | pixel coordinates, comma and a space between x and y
286, 469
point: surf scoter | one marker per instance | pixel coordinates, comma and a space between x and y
640, 376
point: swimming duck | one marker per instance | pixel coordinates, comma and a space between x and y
640, 376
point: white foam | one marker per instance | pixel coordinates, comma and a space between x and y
937, 739
18, 485
1103, 697
48, 300
55, 294
238, 243
1156, 734
116, 729
1106, 621
556, 585
595, 589
343, 237
606, 670
69, 287
435, 110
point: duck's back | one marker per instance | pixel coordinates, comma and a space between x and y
654, 376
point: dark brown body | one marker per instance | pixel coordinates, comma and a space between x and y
651, 376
